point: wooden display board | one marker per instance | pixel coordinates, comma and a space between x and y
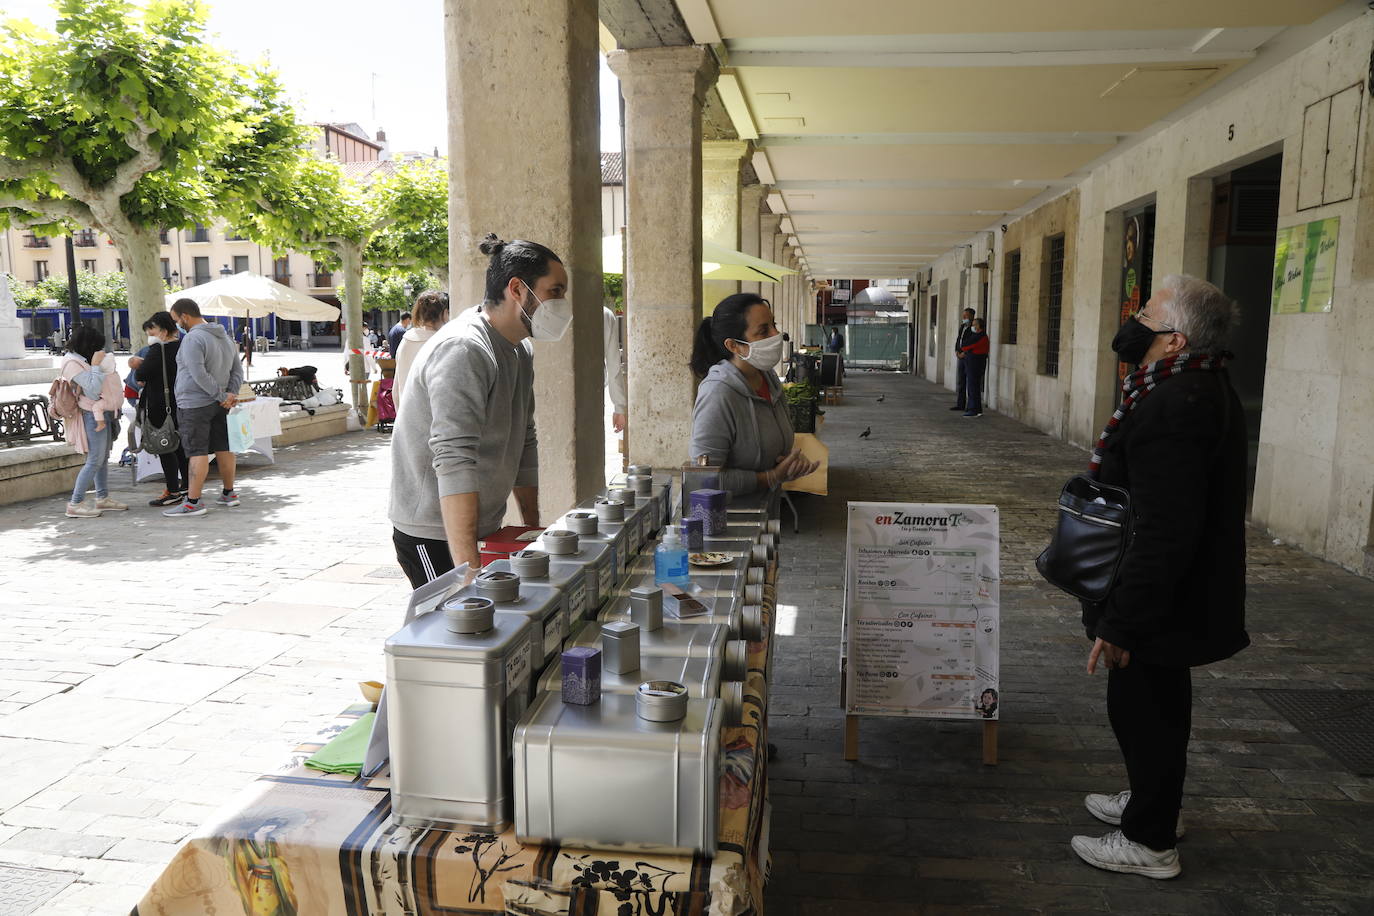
921, 616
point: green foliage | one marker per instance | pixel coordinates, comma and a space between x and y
801, 391
394, 290
613, 292
414, 204
129, 100
94, 291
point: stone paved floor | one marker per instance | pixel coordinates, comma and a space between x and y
919, 825
151, 669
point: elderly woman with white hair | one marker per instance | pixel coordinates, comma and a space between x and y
1177, 444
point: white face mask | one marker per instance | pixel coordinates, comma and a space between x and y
763, 354
551, 319
154, 340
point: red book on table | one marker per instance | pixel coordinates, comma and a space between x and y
503, 543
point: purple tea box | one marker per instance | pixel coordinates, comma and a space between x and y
582, 676
694, 534
709, 506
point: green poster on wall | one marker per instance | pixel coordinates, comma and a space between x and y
1305, 267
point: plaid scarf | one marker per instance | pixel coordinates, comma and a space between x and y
1141, 382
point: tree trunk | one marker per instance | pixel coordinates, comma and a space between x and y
352, 256
441, 275
140, 250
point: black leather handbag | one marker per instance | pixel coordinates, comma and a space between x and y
1089, 540
158, 438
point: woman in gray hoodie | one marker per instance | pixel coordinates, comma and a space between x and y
740, 421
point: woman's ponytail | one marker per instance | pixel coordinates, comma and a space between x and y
705, 351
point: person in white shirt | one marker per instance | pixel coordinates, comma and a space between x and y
615, 369
430, 314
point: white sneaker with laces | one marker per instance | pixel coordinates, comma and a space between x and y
1109, 808
84, 509
1114, 852
109, 504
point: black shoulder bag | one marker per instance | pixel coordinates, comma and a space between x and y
1090, 538
160, 438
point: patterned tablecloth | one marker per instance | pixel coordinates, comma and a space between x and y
302, 843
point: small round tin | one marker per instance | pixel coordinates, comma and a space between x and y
661, 701
736, 666
627, 495
732, 703
470, 614
752, 626
642, 470
530, 564
581, 522
499, 586
610, 510
642, 484
560, 542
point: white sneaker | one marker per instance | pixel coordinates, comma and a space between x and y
84, 509
109, 504
1114, 852
1109, 808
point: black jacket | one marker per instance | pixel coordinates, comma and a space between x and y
149, 373
1180, 597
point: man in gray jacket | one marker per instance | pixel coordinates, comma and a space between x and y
464, 438
209, 376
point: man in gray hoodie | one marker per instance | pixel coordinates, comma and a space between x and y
464, 437
208, 379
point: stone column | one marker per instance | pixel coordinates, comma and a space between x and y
750, 200
512, 174
664, 89
768, 228
780, 289
722, 162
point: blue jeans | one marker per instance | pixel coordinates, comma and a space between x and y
96, 470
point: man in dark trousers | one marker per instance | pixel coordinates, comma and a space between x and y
1177, 444
961, 340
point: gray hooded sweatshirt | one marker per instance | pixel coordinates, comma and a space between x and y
737, 429
208, 367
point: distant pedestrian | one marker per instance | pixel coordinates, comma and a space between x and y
1177, 444
398, 330
431, 314
615, 369
98, 394
836, 343
160, 364
208, 378
246, 342
960, 382
975, 353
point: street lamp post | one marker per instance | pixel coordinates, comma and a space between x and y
73, 299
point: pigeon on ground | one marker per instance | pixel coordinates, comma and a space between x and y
881, 398
865, 433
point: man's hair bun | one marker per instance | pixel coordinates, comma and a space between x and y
492, 244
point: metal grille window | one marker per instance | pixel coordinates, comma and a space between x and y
1011, 294
1054, 303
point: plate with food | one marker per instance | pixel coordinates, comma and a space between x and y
710, 560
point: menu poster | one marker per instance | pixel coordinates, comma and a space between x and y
1305, 267
921, 610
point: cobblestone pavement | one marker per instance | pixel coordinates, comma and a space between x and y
919, 825
152, 668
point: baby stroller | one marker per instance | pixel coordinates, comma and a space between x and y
386, 405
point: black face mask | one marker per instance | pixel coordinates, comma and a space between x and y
1133, 340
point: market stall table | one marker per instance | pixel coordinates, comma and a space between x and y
302, 841
252, 424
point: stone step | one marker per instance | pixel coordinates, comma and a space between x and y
34, 376
26, 362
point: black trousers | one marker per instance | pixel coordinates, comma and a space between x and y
960, 382
1151, 711
422, 559
975, 368
175, 470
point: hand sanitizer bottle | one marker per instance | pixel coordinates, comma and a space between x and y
670, 560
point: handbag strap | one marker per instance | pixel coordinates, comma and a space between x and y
166, 392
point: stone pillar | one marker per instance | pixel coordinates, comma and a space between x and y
509, 173
722, 162
768, 228
750, 200
780, 288
664, 90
